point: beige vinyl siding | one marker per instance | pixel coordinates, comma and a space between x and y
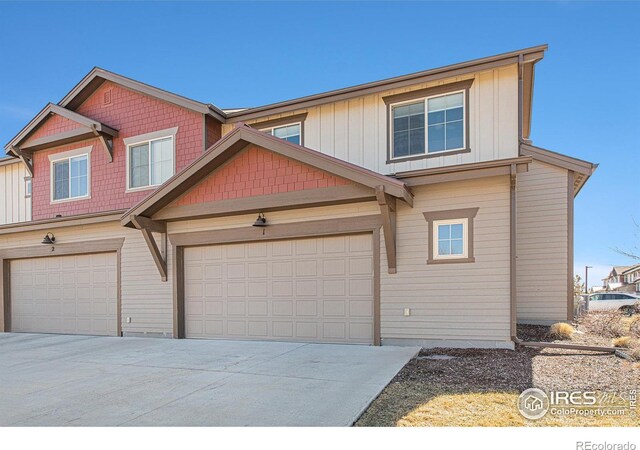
146, 299
466, 303
542, 244
356, 130
14, 206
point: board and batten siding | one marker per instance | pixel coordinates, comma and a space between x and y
356, 130
542, 252
146, 299
461, 304
14, 205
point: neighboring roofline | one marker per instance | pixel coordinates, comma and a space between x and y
56, 109
73, 99
61, 222
238, 139
583, 168
631, 269
531, 54
5, 161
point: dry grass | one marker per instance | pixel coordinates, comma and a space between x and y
561, 330
634, 327
608, 324
439, 406
621, 342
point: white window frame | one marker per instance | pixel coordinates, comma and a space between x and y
465, 238
425, 100
270, 129
147, 139
28, 187
56, 158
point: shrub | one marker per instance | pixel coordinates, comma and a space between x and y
561, 330
621, 342
607, 324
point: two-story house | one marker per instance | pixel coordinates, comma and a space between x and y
411, 210
623, 278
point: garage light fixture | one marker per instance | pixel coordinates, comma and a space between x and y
260, 221
49, 239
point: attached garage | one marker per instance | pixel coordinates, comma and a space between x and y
318, 289
74, 294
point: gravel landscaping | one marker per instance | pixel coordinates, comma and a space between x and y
480, 387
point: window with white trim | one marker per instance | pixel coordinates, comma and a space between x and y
151, 162
27, 187
442, 130
450, 238
291, 133
70, 177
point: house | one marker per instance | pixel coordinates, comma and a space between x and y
623, 279
410, 210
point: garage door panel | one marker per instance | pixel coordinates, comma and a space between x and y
75, 294
318, 290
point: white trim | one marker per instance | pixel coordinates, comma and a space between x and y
425, 100
465, 238
70, 153
57, 157
284, 126
148, 138
28, 181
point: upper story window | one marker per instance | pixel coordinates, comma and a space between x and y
429, 122
70, 175
27, 187
150, 159
291, 133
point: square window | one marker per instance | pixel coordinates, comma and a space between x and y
450, 238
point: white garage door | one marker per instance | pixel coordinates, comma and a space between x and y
65, 294
307, 290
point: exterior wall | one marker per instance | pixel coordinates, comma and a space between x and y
542, 240
461, 304
14, 206
256, 172
356, 130
132, 114
54, 124
147, 300
213, 131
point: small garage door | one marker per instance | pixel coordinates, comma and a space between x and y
65, 294
307, 290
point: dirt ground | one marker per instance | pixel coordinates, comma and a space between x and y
481, 387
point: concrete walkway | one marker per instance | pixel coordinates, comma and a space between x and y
54, 380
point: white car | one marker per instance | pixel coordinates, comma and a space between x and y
608, 301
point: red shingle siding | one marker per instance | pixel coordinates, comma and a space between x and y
53, 125
131, 114
213, 131
257, 171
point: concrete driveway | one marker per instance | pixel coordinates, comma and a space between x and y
53, 380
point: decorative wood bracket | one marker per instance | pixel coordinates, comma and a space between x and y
25, 158
107, 142
147, 227
387, 205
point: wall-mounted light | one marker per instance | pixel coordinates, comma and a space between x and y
260, 221
49, 239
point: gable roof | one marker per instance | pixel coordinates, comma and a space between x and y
49, 109
94, 79
631, 269
582, 169
235, 141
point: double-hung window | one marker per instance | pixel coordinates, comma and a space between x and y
151, 162
291, 133
428, 122
69, 176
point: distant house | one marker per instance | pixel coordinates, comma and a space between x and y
623, 279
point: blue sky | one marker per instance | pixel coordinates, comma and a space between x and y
247, 54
